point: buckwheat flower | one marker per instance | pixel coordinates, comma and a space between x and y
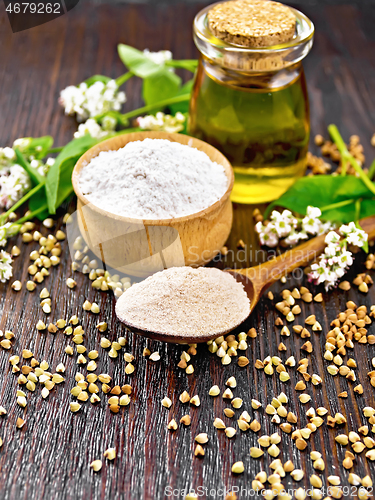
336, 258
6, 270
50, 162
295, 237
42, 167
88, 101
311, 224
72, 98
7, 155
14, 183
332, 237
345, 259
313, 212
353, 234
321, 272
283, 222
161, 121
159, 57
326, 227
290, 229
22, 143
90, 127
332, 250
109, 123
267, 234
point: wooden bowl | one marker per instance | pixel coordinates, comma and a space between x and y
140, 247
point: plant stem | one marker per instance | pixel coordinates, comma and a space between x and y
370, 185
31, 215
346, 156
337, 139
344, 166
156, 105
339, 204
124, 78
358, 202
145, 109
371, 172
20, 202
189, 64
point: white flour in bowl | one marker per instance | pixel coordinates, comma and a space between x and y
185, 301
153, 179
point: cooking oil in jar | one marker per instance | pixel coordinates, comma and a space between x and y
262, 130
253, 106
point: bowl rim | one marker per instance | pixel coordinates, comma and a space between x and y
135, 136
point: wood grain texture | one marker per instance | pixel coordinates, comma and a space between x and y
50, 456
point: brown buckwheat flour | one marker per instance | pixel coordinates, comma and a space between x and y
185, 301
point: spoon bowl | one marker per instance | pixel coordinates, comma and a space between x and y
256, 280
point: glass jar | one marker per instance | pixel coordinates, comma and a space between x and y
252, 105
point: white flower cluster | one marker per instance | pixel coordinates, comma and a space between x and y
336, 259
23, 145
42, 167
14, 180
88, 101
288, 228
161, 121
354, 235
6, 270
159, 57
7, 156
90, 127
14, 183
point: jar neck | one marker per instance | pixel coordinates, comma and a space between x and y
243, 80
253, 60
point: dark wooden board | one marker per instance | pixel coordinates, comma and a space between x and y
50, 456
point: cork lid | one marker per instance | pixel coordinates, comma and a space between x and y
252, 23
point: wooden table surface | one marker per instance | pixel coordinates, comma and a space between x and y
50, 456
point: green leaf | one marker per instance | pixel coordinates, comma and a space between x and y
160, 86
343, 214
159, 83
40, 146
136, 61
367, 208
371, 171
97, 78
65, 188
68, 156
182, 107
36, 204
323, 191
35, 176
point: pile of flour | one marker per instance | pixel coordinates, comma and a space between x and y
185, 301
153, 179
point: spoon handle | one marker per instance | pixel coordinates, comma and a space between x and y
265, 274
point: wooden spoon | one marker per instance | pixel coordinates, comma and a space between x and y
257, 279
